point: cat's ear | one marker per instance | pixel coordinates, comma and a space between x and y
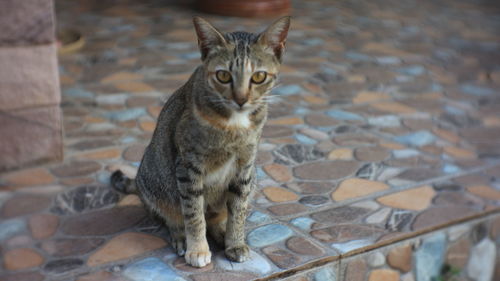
208, 36
274, 37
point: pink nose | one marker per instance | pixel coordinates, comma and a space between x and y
240, 100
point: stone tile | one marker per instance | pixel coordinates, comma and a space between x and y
369, 96
11, 227
325, 274
43, 225
320, 120
355, 187
429, 257
121, 76
256, 264
458, 253
125, 246
23, 276
383, 275
484, 191
24, 204
99, 276
303, 246
371, 154
343, 214
62, 247
481, 263
326, 170
29, 177
278, 194
21, 258
393, 107
286, 121
355, 270
224, 276
276, 131
287, 209
340, 154
76, 169
268, 234
293, 154
134, 153
151, 269
278, 172
400, 258
84, 198
134, 87
412, 199
439, 215
102, 154
282, 258
180, 264
346, 232
103, 222
376, 259
130, 200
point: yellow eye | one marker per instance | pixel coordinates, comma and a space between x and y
223, 76
259, 77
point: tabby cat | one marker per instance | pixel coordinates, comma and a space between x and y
198, 172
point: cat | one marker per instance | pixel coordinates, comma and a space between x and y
198, 171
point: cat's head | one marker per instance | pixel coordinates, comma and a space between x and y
241, 67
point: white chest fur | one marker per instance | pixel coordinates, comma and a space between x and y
239, 119
222, 175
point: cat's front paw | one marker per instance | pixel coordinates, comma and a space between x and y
238, 253
198, 258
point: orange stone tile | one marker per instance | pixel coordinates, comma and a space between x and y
43, 225
369, 96
457, 152
125, 246
446, 135
384, 275
134, 87
282, 140
356, 78
491, 121
148, 126
313, 88
286, 121
76, 181
127, 61
278, 172
28, 177
412, 199
121, 76
130, 200
340, 154
393, 107
279, 194
22, 258
102, 154
382, 49
484, 191
66, 80
354, 187
392, 145
154, 110
93, 119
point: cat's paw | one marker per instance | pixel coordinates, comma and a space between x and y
179, 246
238, 253
198, 258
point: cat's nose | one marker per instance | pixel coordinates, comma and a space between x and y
241, 101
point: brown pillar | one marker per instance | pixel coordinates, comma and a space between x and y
30, 115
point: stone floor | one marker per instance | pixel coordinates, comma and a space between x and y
386, 129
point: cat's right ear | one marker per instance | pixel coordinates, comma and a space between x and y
209, 38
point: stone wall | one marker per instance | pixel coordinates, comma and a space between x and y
30, 116
465, 252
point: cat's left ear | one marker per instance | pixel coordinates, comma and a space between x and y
208, 36
274, 37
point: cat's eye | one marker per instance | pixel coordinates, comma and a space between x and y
223, 76
259, 77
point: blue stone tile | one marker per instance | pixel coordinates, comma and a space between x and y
136, 164
385, 121
476, 90
260, 173
305, 139
343, 115
11, 227
405, 153
325, 274
419, 138
429, 257
351, 245
190, 56
388, 60
125, 115
301, 111
152, 43
302, 223
453, 110
258, 217
358, 56
451, 169
151, 269
288, 90
78, 93
128, 139
256, 264
413, 70
313, 42
268, 234
103, 177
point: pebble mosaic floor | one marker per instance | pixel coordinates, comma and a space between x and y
386, 126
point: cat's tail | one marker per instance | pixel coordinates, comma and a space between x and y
124, 181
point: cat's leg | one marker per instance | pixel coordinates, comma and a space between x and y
174, 221
216, 224
190, 185
239, 191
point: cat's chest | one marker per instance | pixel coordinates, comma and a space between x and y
222, 174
